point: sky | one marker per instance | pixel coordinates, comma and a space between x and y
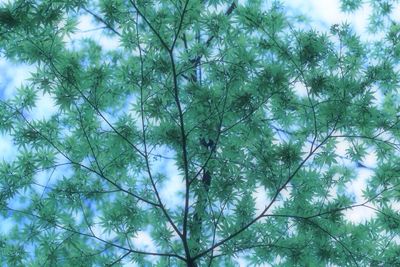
323, 13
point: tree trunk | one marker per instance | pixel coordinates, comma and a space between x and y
191, 263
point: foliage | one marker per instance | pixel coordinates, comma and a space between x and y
246, 103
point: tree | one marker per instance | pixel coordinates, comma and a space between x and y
240, 98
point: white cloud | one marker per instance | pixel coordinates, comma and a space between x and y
44, 109
13, 75
20, 201
357, 185
42, 178
7, 148
173, 188
49, 178
300, 89
88, 28
242, 262
370, 160
284, 196
341, 146
396, 240
355, 188
143, 240
359, 214
378, 95
6, 225
396, 206
325, 13
260, 196
129, 263
100, 231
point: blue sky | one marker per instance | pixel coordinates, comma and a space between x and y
323, 13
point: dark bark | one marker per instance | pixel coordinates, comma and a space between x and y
200, 209
191, 263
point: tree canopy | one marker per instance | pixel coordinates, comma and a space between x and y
225, 104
